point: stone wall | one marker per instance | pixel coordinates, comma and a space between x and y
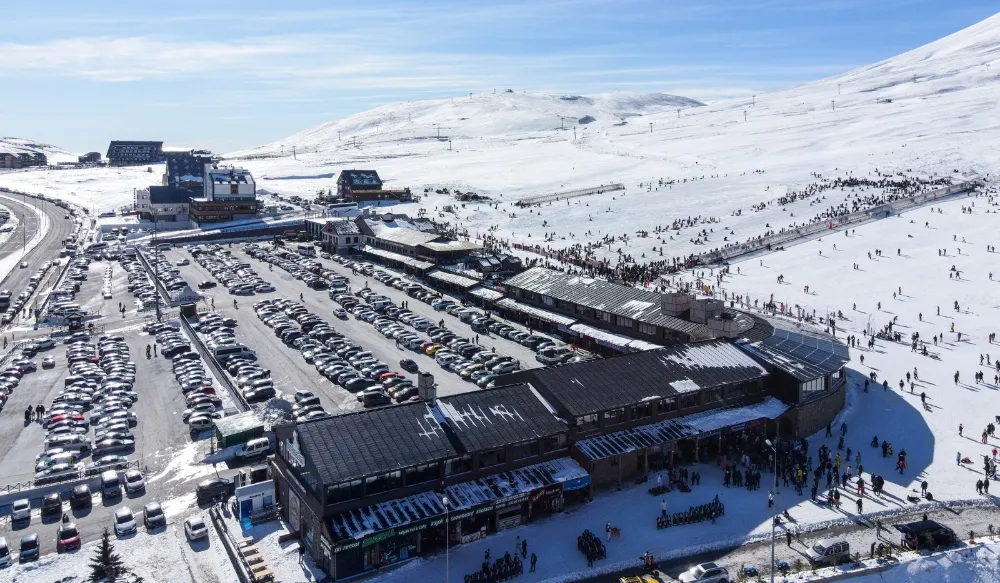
815, 415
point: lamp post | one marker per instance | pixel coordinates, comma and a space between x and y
447, 535
774, 491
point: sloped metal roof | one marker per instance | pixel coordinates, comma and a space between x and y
621, 300
378, 441
804, 356
587, 387
654, 434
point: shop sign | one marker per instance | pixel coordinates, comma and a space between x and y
577, 483
510, 522
293, 452
510, 501
377, 538
545, 492
473, 536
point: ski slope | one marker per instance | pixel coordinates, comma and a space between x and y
54, 154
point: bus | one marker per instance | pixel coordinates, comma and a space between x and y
307, 250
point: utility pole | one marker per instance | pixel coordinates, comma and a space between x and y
650, 127
678, 114
156, 268
744, 115
833, 104
293, 153
574, 134
838, 88
449, 145
338, 135
754, 100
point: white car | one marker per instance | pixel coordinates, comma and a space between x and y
705, 573
182, 262
20, 510
194, 528
124, 521
134, 482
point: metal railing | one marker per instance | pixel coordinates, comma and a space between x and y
82, 473
568, 194
217, 370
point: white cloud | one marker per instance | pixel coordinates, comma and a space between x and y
137, 58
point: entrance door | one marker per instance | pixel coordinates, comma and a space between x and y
246, 508
293, 510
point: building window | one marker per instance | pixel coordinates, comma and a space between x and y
525, 450
643, 410
689, 400
383, 483
666, 405
624, 322
713, 396
494, 457
607, 317
587, 422
736, 392
647, 329
615, 416
458, 465
343, 492
548, 301
421, 474
813, 387
554, 443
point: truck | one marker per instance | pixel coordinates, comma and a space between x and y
290, 234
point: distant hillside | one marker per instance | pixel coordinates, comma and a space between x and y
485, 115
54, 154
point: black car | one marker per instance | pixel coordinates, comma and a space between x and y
213, 488
81, 497
259, 395
924, 534
409, 365
52, 504
206, 284
153, 517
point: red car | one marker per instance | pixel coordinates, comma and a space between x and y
67, 537
388, 375
65, 417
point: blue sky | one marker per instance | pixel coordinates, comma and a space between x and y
225, 75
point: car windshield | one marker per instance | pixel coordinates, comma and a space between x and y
153, 511
819, 549
68, 533
29, 544
123, 518
698, 571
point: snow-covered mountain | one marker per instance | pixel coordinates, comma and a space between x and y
54, 154
503, 115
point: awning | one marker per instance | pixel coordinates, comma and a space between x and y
453, 278
425, 510
639, 345
544, 315
390, 256
699, 424
603, 337
486, 293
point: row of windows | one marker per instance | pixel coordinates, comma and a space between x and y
665, 405
426, 473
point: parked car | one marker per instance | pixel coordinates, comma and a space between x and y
5, 557
194, 528
213, 488
924, 534
705, 573
152, 516
67, 537
20, 510
829, 551
81, 497
51, 504
134, 482
124, 521
29, 548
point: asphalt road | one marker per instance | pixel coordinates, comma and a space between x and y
47, 249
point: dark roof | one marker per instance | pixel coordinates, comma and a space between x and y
381, 440
804, 356
496, 417
597, 385
374, 442
186, 165
622, 300
346, 227
360, 178
168, 195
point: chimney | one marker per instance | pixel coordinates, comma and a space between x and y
674, 303
426, 388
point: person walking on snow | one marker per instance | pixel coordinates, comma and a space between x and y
663, 508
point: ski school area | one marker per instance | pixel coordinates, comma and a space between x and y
929, 280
